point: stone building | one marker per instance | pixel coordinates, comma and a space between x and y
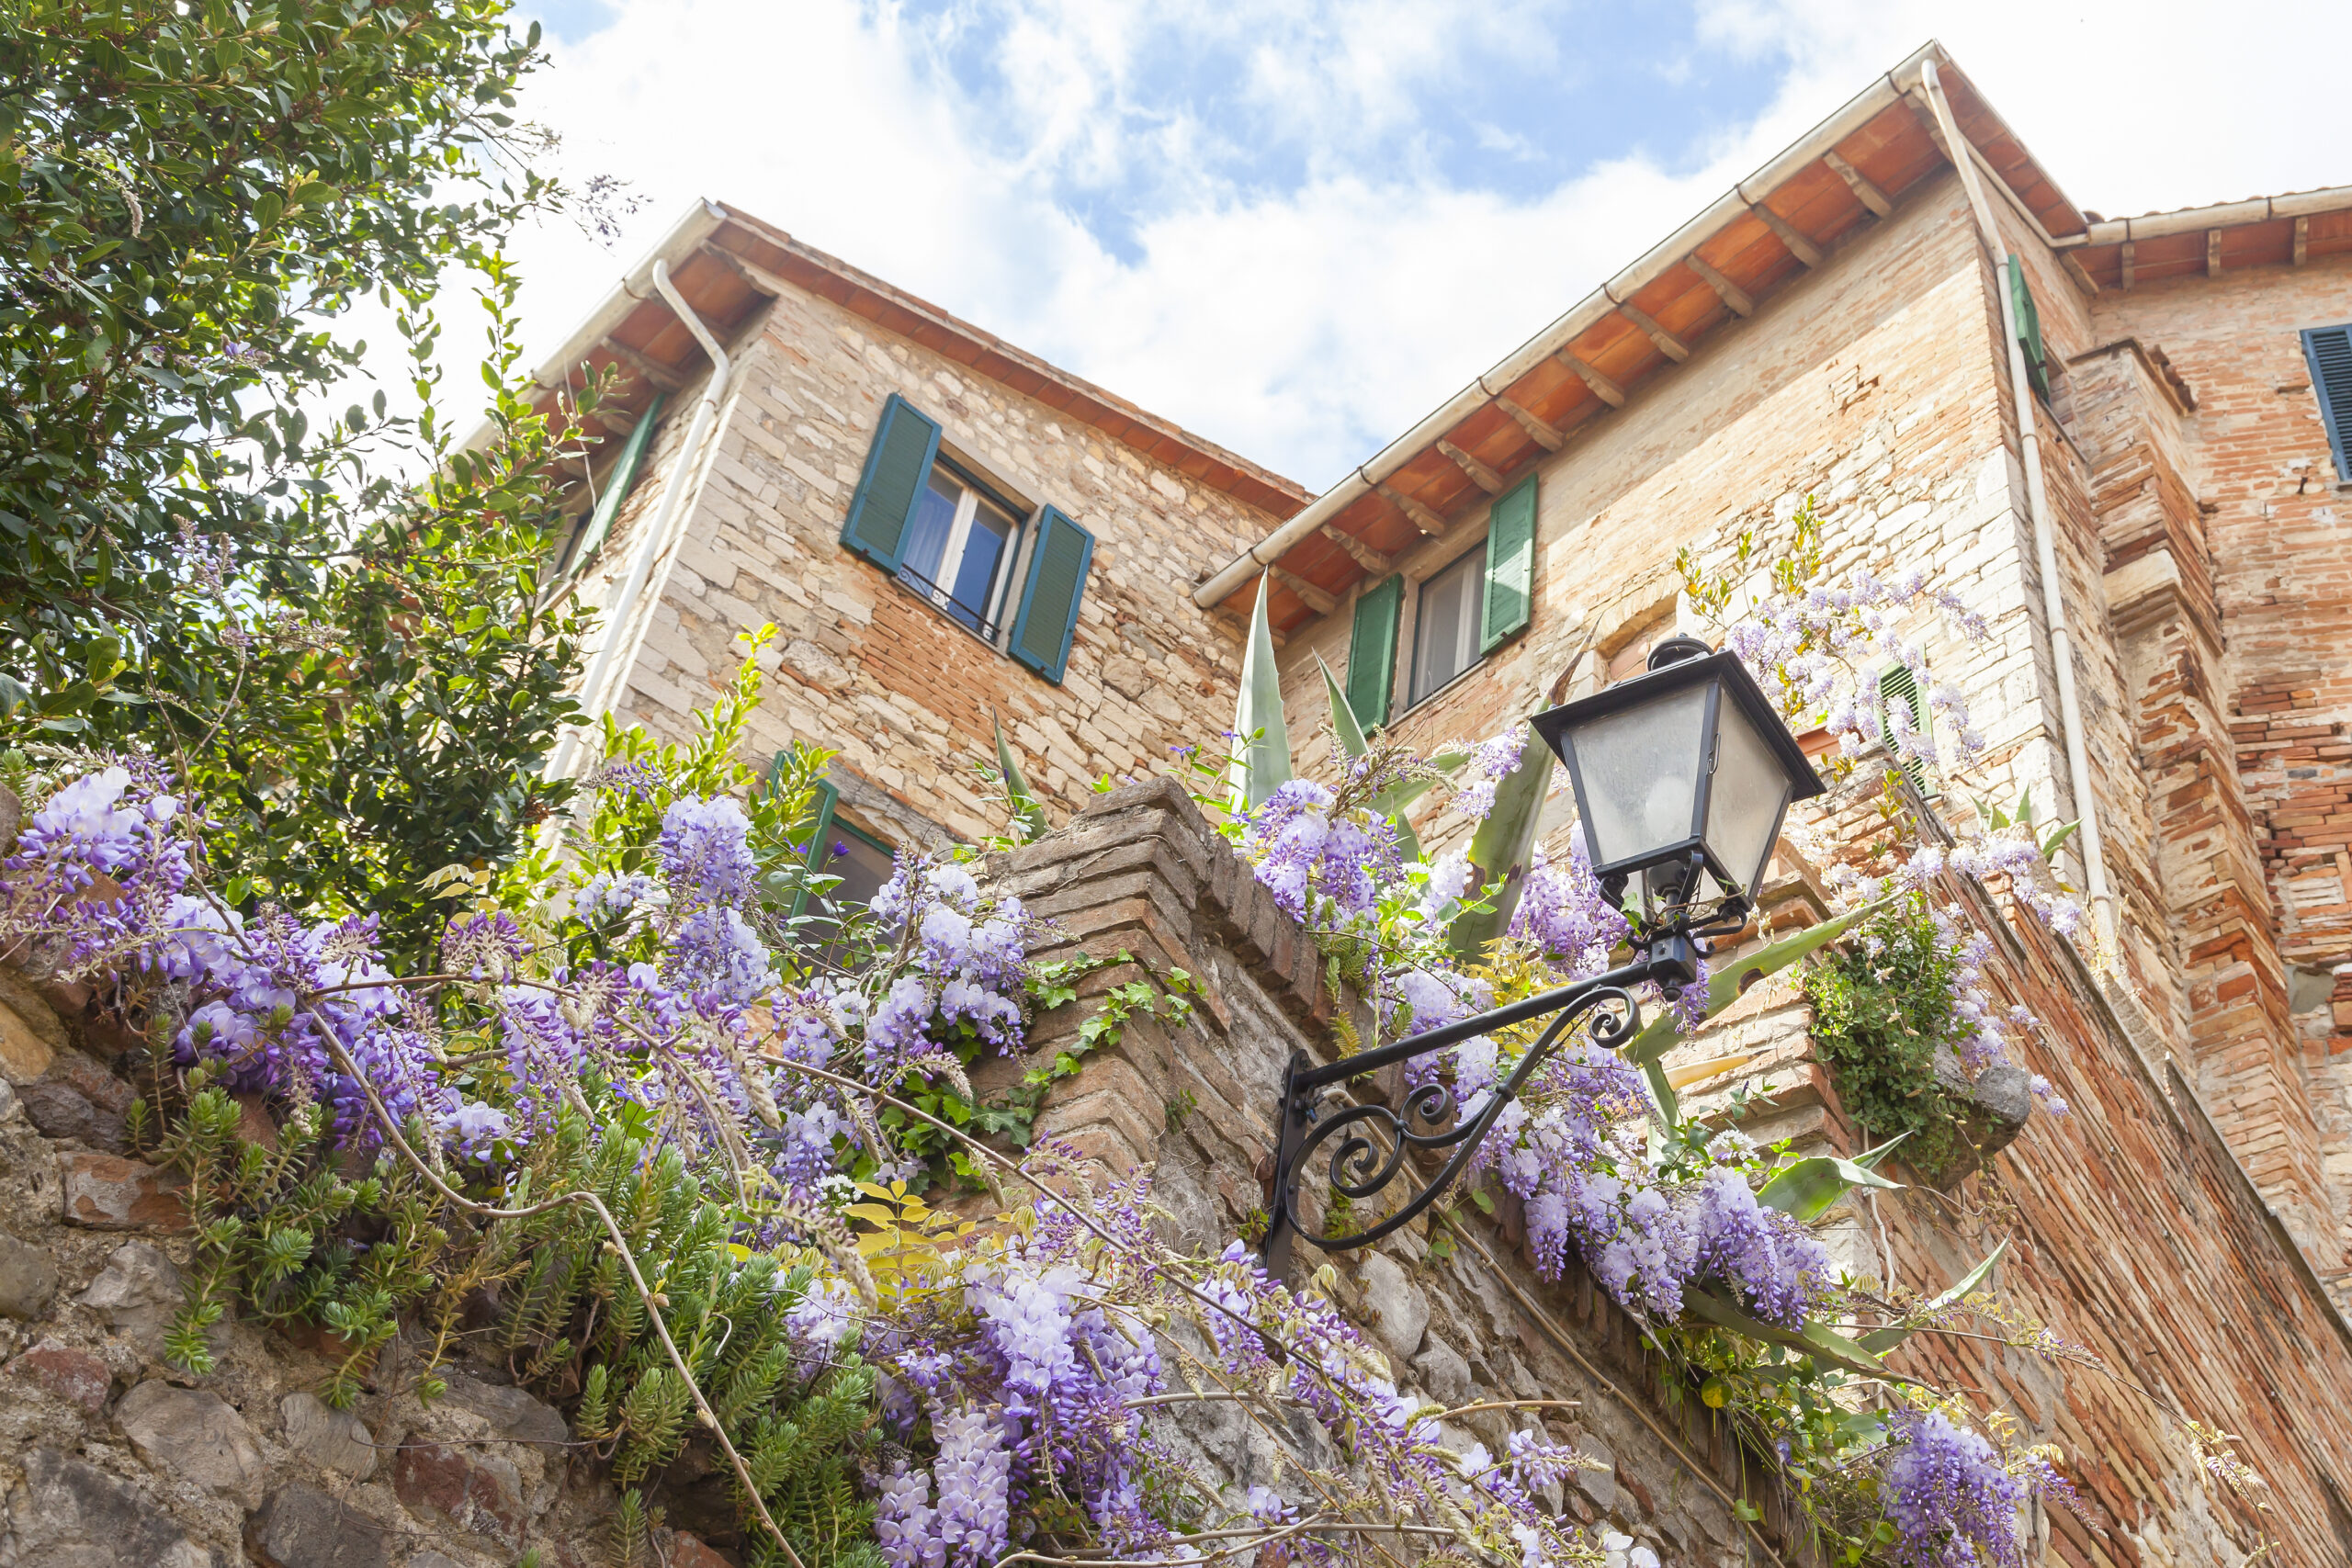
944, 528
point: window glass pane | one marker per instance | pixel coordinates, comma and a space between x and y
863, 866
984, 551
933, 523
1445, 643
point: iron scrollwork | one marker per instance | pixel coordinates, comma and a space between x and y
1360, 1168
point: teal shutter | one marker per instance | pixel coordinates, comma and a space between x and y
1372, 651
2329, 352
1048, 617
1898, 684
617, 485
896, 467
2037, 363
1511, 564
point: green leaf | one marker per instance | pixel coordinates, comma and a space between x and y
1723, 984
1343, 717
1879, 1341
1026, 813
1822, 1343
1264, 763
2051, 845
1503, 845
1805, 1189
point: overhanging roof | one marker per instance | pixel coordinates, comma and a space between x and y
728, 265
1841, 177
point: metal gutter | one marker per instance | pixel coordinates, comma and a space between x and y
694, 225
1586, 313
2224, 215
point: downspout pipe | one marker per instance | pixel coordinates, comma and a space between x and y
660, 535
2045, 548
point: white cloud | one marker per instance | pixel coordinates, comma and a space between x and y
1303, 281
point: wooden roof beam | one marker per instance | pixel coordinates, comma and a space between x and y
2128, 256
1420, 516
1740, 301
1607, 390
1316, 600
663, 378
1237, 624
1673, 347
1868, 195
2302, 239
2212, 253
1364, 555
1804, 249
1484, 478
1544, 433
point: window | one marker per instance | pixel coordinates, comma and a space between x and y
2329, 352
1898, 686
2037, 359
619, 480
1445, 634
931, 522
959, 542
841, 847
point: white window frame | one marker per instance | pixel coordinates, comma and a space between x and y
939, 589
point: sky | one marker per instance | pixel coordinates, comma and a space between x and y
1295, 226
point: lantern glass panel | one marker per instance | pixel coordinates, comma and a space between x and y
1750, 789
1640, 770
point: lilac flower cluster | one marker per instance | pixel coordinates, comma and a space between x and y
1822, 648
1490, 762
1952, 1501
1563, 911
1031, 1389
1322, 870
961, 970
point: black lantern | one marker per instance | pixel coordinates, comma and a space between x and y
1683, 776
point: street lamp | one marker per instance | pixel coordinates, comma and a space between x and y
1683, 776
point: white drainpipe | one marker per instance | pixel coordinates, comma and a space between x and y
2045, 549
659, 535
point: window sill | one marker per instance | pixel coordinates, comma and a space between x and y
1417, 704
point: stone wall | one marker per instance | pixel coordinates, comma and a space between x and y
867, 664
111, 1458
2135, 1235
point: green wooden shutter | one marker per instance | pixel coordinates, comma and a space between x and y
1511, 563
1048, 617
2329, 352
1372, 651
1898, 684
617, 485
896, 467
2037, 363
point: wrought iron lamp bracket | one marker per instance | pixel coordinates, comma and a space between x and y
1360, 1170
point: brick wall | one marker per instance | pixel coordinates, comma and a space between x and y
2136, 1235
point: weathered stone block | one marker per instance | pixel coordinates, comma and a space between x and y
197, 1435
74, 1376
336, 1440
70, 1513
137, 1292
28, 1278
478, 1493
303, 1527
106, 1192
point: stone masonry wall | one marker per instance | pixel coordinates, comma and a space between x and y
111, 1458
866, 664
